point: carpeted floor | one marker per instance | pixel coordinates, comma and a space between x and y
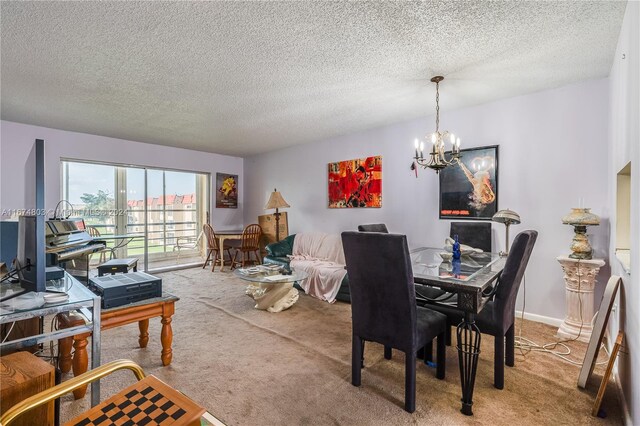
250, 367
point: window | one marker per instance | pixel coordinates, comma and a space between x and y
162, 205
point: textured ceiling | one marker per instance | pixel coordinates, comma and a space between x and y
242, 78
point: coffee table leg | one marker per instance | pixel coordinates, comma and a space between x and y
272, 297
166, 336
468, 352
144, 333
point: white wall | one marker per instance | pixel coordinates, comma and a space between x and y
624, 140
551, 154
17, 141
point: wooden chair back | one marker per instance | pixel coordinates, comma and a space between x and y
212, 239
251, 237
93, 231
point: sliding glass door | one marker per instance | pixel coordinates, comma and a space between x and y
153, 214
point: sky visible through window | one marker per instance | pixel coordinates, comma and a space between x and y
90, 178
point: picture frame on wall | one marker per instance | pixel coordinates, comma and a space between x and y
355, 183
226, 191
469, 189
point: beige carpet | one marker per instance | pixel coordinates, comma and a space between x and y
250, 367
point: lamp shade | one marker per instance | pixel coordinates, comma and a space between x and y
276, 201
581, 217
507, 217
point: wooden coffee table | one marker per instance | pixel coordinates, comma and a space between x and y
139, 312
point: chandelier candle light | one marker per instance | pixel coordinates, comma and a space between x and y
437, 159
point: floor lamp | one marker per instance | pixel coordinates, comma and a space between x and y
276, 202
508, 217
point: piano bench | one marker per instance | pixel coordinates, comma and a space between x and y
115, 266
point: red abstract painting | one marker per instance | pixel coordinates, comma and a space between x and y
356, 183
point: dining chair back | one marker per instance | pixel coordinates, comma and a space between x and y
504, 300
213, 248
250, 244
430, 292
474, 234
373, 227
212, 240
94, 232
251, 237
383, 304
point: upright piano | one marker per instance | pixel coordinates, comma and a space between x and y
68, 240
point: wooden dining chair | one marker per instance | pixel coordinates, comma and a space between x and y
213, 248
250, 243
94, 233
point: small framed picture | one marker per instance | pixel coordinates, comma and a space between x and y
469, 189
226, 191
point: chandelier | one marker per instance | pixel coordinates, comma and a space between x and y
437, 159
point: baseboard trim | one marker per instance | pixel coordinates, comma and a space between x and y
540, 318
623, 401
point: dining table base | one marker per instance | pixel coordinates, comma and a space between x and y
468, 335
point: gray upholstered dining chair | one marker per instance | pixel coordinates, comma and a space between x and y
425, 291
474, 234
497, 318
383, 305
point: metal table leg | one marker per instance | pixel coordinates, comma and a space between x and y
468, 352
95, 349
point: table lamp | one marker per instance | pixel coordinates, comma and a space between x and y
580, 218
276, 202
508, 217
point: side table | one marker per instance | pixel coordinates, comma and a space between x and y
580, 280
22, 375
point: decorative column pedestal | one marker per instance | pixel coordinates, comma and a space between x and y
580, 279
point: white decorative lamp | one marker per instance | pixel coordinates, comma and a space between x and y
276, 202
508, 217
580, 218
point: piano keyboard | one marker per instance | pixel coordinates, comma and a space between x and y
79, 251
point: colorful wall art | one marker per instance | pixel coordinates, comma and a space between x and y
356, 183
226, 191
469, 189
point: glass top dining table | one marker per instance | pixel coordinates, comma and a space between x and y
468, 278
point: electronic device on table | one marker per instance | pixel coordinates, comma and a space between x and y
122, 289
